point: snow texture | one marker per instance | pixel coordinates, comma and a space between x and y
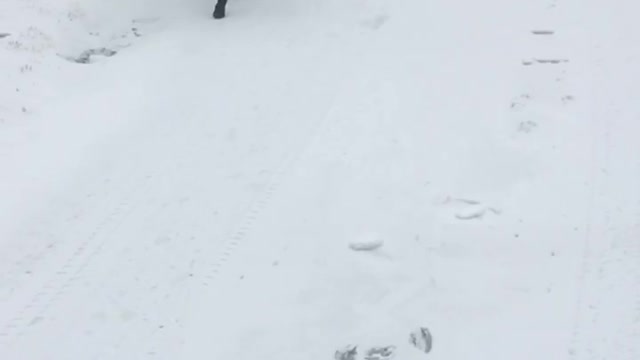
186, 188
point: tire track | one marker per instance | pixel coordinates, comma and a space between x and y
249, 217
69, 271
607, 322
289, 163
37, 254
587, 264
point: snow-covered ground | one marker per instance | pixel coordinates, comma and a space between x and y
303, 176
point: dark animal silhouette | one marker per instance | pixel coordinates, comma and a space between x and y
219, 11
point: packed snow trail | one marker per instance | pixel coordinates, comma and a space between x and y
195, 147
200, 202
608, 314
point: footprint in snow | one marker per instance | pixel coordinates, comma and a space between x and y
87, 56
527, 126
468, 209
421, 339
350, 352
377, 22
475, 212
380, 353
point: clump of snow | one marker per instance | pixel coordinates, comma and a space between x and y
367, 242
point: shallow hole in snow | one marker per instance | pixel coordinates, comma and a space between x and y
368, 242
86, 56
543, 32
421, 339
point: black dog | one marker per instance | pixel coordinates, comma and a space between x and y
219, 11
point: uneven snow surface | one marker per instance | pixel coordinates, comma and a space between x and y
305, 177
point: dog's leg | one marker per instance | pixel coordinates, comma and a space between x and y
219, 11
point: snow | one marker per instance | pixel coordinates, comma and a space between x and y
198, 193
